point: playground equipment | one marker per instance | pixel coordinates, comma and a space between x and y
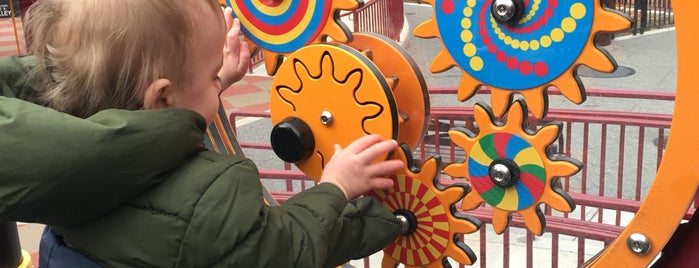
510, 47
371, 92
279, 27
431, 227
509, 168
535, 46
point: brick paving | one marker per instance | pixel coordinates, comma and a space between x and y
10, 31
251, 93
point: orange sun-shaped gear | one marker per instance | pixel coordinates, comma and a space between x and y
509, 168
279, 27
328, 94
432, 226
540, 48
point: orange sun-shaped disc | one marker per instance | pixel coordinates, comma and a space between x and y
509, 169
328, 94
409, 89
433, 227
280, 27
541, 49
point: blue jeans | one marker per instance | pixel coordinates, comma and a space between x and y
53, 253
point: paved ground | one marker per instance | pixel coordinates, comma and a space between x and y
9, 30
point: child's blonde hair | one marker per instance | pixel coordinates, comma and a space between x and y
99, 54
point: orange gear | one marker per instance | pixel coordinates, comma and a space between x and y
509, 169
280, 27
327, 94
432, 225
541, 49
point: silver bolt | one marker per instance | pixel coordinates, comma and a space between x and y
505, 9
638, 243
326, 118
500, 174
404, 224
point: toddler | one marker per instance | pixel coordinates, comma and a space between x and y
95, 55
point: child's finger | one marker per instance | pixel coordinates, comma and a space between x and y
228, 15
235, 26
244, 49
363, 143
244, 56
385, 167
236, 31
338, 149
380, 183
233, 42
378, 149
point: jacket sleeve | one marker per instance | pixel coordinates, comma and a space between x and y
15, 81
315, 228
59, 169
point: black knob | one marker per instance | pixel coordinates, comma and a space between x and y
507, 12
292, 140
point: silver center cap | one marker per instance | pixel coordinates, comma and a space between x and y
405, 225
500, 174
505, 9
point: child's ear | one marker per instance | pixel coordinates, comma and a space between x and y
158, 95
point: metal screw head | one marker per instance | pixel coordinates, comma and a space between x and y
500, 174
404, 224
504, 9
638, 243
408, 221
326, 118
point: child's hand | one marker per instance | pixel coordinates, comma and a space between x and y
351, 168
236, 55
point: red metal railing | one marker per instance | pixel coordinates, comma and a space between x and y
378, 16
257, 58
620, 158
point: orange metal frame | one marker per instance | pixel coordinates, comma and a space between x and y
678, 177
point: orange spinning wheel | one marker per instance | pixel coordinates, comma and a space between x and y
508, 168
410, 90
328, 94
280, 27
431, 224
512, 47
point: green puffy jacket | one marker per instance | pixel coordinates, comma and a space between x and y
207, 212
59, 169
